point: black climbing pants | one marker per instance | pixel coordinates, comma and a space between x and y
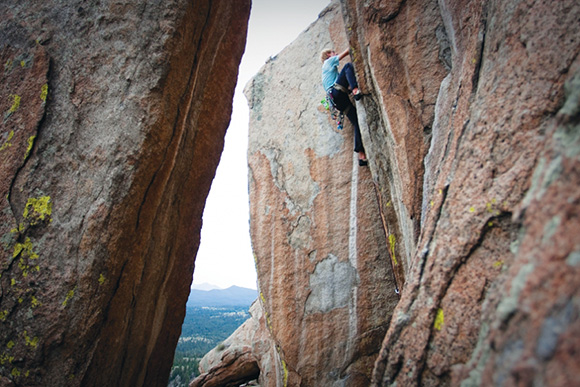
342, 103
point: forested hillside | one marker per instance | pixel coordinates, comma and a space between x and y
207, 326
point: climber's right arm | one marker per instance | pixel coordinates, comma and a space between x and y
343, 54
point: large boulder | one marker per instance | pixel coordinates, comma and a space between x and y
113, 121
248, 354
324, 269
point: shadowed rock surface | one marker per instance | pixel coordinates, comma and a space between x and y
113, 121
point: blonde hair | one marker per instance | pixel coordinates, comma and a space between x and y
325, 54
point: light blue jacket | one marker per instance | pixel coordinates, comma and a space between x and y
329, 72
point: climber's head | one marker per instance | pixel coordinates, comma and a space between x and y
326, 53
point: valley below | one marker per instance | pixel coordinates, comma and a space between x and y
211, 317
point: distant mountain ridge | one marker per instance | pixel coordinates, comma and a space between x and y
204, 286
232, 296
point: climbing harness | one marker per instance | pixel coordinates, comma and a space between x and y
340, 87
335, 114
329, 105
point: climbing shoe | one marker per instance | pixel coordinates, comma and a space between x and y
363, 162
358, 95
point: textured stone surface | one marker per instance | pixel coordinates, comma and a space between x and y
323, 265
396, 47
248, 354
491, 292
471, 126
235, 368
109, 139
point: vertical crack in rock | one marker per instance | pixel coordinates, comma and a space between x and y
353, 259
159, 181
498, 231
186, 102
479, 59
445, 52
353, 224
421, 258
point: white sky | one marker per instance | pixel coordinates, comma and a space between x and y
225, 255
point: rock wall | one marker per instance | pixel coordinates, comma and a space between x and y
490, 89
401, 58
113, 121
471, 124
324, 271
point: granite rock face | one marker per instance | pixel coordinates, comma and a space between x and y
474, 131
399, 61
323, 263
471, 124
109, 140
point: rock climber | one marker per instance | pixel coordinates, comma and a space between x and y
337, 86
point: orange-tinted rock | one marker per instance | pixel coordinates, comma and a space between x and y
324, 270
471, 126
492, 286
400, 60
107, 156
